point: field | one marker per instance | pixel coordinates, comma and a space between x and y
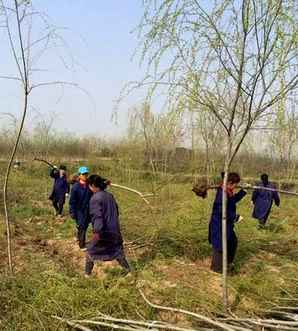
166, 245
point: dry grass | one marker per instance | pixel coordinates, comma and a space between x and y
167, 246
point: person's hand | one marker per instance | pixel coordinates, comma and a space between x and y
96, 236
66, 195
55, 167
108, 182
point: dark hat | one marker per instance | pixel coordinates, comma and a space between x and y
62, 167
265, 178
99, 181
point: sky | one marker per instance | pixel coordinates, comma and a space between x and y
97, 56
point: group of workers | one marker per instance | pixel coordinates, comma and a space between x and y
89, 202
262, 200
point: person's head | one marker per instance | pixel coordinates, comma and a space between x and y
233, 180
97, 183
83, 174
73, 179
222, 175
265, 179
62, 170
91, 178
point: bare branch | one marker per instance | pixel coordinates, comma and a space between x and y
11, 78
186, 312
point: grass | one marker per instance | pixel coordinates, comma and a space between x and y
172, 268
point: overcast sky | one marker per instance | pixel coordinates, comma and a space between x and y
98, 57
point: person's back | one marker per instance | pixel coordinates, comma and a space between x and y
265, 195
108, 223
263, 200
106, 243
60, 188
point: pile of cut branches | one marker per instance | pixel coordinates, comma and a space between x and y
280, 318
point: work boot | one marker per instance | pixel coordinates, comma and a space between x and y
82, 238
121, 259
89, 264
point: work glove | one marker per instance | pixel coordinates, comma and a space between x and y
66, 195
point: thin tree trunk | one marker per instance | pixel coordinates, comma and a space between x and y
224, 229
207, 162
7, 222
24, 78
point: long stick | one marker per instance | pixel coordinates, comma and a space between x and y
255, 187
146, 324
74, 325
143, 196
134, 191
45, 161
206, 319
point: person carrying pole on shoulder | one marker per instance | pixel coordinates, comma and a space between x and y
79, 205
215, 224
238, 218
263, 200
60, 188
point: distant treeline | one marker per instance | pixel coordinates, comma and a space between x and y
136, 155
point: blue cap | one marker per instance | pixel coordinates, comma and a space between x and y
83, 170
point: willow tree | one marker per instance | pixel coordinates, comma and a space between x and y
29, 37
158, 133
225, 56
